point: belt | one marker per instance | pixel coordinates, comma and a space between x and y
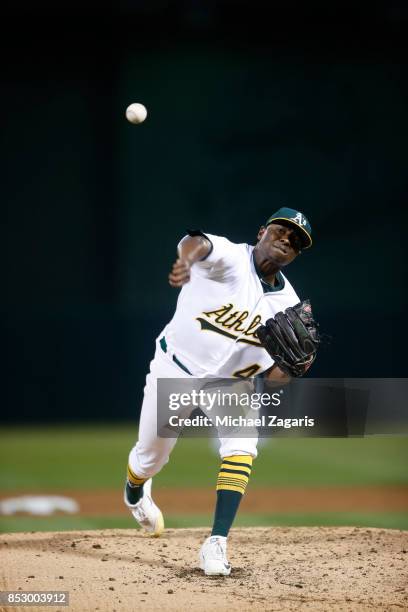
163, 345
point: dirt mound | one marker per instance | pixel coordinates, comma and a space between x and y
273, 569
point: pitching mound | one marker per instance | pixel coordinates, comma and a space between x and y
273, 569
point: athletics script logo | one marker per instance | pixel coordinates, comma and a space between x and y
228, 322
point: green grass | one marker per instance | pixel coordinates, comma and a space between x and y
95, 457
388, 520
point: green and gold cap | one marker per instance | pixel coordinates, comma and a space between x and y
295, 218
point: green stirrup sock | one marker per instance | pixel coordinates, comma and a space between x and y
231, 484
225, 511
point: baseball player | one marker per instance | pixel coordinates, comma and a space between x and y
229, 322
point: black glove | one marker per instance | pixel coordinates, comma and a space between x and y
291, 338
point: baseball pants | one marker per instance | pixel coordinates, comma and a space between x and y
151, 453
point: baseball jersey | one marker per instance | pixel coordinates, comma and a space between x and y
212, 332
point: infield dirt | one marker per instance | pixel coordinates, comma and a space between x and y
300, 568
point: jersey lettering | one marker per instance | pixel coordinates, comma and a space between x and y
228, 318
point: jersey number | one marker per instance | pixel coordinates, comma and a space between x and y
247, 372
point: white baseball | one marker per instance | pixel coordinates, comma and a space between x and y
136, 113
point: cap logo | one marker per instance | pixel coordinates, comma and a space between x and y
299, 219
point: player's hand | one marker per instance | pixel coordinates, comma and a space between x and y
180, 273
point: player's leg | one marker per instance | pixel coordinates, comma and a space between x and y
237, 455
150, 453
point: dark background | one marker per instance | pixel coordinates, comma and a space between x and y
251, 106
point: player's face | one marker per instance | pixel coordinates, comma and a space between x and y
279, 243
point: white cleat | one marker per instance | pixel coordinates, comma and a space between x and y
213, 557
145, 511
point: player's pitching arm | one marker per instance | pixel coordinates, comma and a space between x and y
190, 250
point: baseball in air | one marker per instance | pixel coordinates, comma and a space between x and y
136, 113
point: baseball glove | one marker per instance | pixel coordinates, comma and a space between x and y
291, 338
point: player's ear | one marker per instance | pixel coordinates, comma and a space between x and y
261, 232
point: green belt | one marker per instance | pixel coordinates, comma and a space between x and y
163, 345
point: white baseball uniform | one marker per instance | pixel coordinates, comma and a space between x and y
212, 334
